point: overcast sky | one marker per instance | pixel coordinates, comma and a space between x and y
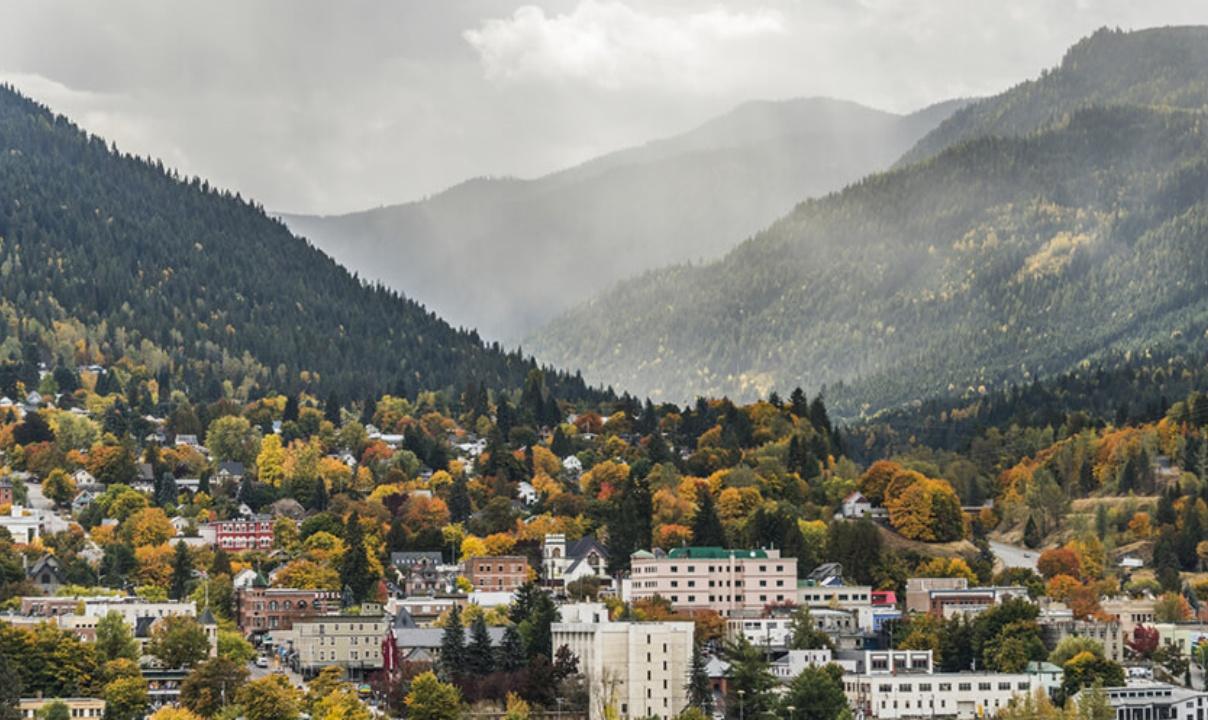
335, 106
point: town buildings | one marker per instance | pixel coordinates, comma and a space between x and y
498, 573
260, 609
353, 642
632, 669
732, 582
1156, 701
897, 684
423, 573
563, 563
79, 708
238, 534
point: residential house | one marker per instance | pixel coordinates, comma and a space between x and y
855, 505
423, 572
47, 574
24, 524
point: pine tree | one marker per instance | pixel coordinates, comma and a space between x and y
354, 565
166, 491
182, 572
331, 409
318, 499
291, 409
1031, 534
460, 507
510, 654
561, 444
707, 529
480, 657
396, 537
221, 564
700, 692
453, 646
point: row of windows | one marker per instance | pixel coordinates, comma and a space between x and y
720, 598
947, 687
711, 569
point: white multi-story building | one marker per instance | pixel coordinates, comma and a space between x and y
636, 669
1156, 701
24, 524
892, 688
731, 582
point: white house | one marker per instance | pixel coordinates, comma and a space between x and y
24, 524
526, 493
855, 505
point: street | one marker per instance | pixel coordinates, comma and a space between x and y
53, 521
1014, 557
258, 672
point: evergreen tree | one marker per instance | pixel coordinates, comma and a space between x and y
700, 691
1165, 514
182, 572
510, 654
561, 444
799, 404
221, 564
318, 499
629, 525
707, 529
480, 658
354, 565
1031, 534
460, 508
331, 409
368, 409
166, 491
396, 537
453, 647
1190, 534
291, 409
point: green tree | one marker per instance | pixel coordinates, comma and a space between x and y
816, 694
431, 699
114, 638
182, 572
126, 698
1093, 704
453, 646
54, 710
178, 641
233, 646
480, 656
232, 438
700, 691
354, 566
1086, 669
269, 698
707, 529
804, 634
59, 487
212, 685
510, 653
1072, 645
749, 673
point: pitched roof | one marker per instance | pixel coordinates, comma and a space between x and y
207, 617
581, 547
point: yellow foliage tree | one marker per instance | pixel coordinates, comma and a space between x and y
149, 526
270, 462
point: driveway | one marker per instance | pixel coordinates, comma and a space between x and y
1012, 556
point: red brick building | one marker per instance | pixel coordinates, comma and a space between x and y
254, 533
499, 573
260, 609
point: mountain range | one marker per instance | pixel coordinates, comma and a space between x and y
1027, 234
507, 255
112, 259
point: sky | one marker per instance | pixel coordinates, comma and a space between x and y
325, 107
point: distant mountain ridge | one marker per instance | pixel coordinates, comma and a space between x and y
991, 258
106, 257
505, 255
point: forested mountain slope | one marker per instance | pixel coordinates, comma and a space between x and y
504, 255
1163, 67
105, 256
1001, 259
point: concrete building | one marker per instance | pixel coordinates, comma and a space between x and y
1108, 634
845, 597
903, 684
638, 669
1129, 612
24, 524
1156, 701
353, 642
498, 573
731, 582
260, 609
79, 708
918, 591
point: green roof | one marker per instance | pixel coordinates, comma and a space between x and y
712, 553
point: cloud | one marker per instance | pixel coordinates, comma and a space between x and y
614, 46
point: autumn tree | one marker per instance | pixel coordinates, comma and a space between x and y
269, 698
431, 699
212, 684
178, 641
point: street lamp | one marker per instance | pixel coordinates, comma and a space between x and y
741, 693
791, 709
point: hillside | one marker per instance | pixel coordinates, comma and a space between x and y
505, 255
1001, 259
105, 256
1161, 67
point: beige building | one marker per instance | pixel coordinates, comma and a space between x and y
732, 582
1129, 612
846, 597
353, 642
638, 669
918, 591
497, 573
1108, 634
80, 708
